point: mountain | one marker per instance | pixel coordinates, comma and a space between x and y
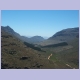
18, 55
65, 35
65, 46
34, 39
10, 30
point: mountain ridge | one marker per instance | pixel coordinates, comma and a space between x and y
64, 35
69, 32
34, 39
17, 54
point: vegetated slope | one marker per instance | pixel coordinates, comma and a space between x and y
61, 36
48, 42
68, 54
16, 55
34, 39
33, 46
71, 56
56, 45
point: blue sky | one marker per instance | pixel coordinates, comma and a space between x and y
43, 23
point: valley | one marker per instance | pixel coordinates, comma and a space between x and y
61, 51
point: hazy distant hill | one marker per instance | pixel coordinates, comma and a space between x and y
34, 39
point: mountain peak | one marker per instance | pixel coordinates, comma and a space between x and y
66, 34
7, 26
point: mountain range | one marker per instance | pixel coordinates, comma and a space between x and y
65, 35
18, 55
20, 52
34, 39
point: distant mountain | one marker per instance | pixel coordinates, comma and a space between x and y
34, 39
66, 34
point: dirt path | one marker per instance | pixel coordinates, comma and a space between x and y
49, 56
69, 66
66, 64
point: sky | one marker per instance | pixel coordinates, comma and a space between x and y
43, 23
